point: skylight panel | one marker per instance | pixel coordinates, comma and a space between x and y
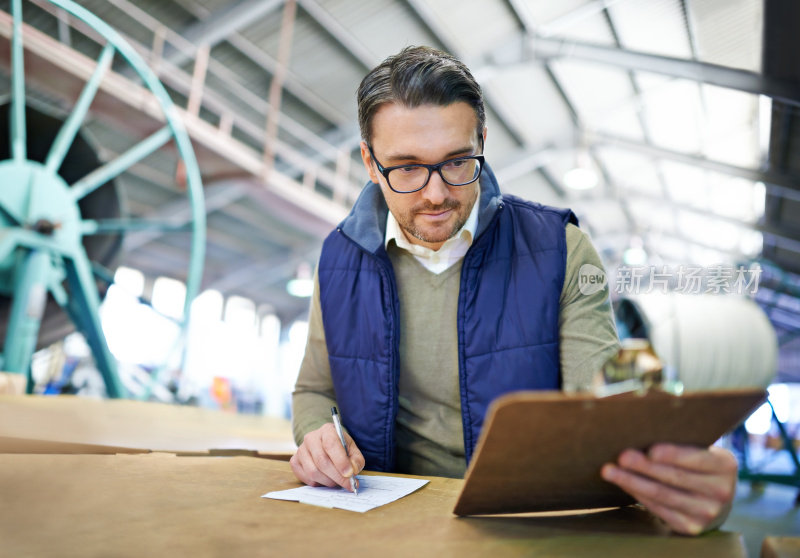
731, 126
533, 186
470, 35
528, 93
652, 215
630, 170
587, 24
604, 215
686, 184
715, 233
672, 250
658, 27
547, 12
721, 194
703, 256
728, 32
673, 114
737, 198
602, 96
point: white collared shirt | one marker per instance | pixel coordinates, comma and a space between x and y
436, 261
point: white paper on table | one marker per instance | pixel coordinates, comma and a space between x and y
373, 491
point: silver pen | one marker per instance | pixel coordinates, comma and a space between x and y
338, 426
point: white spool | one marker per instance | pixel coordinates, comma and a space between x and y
711, 341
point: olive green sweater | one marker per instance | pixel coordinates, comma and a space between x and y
429, 428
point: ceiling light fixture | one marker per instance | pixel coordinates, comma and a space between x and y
635, 254
583, 176
302, 286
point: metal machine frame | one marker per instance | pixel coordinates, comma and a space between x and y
41, 227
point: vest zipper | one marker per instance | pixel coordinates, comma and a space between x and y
469, 441
387, 273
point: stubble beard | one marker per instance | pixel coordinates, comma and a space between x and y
462, 216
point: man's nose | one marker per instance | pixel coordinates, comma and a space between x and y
436, 190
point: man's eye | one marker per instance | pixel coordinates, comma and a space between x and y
408, 169
456, 164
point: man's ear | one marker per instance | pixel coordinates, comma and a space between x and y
367, 159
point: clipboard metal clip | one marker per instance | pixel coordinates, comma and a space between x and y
635, 368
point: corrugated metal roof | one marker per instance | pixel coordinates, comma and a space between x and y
656, 26
729, 32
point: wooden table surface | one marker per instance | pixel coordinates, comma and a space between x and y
165, 505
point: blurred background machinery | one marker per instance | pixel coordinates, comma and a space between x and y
56, 198
669, 126
717, 342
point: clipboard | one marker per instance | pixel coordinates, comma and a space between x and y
543, 451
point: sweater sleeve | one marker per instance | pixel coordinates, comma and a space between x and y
313, 394
588, 334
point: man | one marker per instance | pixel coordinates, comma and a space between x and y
437, 294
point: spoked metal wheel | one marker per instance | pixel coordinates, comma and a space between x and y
43, 230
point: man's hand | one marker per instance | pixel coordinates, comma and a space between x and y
321, 459
690, 488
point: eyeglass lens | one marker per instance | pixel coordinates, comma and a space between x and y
456, 173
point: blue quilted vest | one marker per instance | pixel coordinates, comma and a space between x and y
508, 308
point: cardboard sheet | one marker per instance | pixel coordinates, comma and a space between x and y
12, 384
780, 547
68, 424
544, 450
155, 504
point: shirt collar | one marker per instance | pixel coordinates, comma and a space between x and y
467, 232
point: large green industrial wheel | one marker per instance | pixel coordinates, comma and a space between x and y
42, 228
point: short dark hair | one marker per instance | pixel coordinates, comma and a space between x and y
415, 76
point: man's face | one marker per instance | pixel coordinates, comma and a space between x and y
427, 134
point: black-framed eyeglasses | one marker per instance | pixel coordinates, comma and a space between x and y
406, 179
